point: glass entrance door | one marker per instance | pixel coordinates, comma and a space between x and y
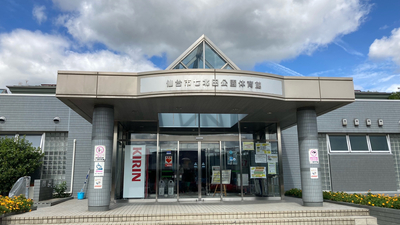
197, 161
210, 168
189, 170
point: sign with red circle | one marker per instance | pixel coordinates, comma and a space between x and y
100, 153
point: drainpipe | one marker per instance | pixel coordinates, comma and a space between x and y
73, 167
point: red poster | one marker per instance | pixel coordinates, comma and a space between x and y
168, 161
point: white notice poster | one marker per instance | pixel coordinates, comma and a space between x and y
261, 158
98, 182
98, 169
134, 171
271, 168
314, 173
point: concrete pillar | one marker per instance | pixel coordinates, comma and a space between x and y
308, 139
102, 134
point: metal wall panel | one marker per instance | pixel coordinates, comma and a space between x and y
81, 130
360, 173
388, 110
30, 113
33, 113
290, 159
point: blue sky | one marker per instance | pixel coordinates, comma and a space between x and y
338, 38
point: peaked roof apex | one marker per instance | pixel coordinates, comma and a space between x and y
201, 39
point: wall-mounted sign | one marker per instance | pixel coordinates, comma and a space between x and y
208, 82
271, 168
272, 158
134, 171
99, 169
261, 158
168, 161
314, 173
248, 146
263, 148
216, 178
98, 182
258, 172
99, 153
313, 156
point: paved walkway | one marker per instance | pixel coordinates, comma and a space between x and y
76, 207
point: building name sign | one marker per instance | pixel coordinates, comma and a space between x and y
214, 83
211, 83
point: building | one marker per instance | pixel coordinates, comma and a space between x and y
205, 130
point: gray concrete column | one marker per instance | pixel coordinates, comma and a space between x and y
308, 139
102, 134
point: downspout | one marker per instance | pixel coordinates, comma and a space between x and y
73, 167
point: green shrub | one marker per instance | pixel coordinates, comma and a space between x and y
17, 159
60, 189
294, 193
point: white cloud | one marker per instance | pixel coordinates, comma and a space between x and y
387, 47
319, 73
374, 76
248, 31
339, 42
393, 88
384, 27
38, 13
282, 69
36, 57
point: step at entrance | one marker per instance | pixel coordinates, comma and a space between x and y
314, 217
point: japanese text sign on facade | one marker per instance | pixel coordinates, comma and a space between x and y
99, 153
313, 156
214, 82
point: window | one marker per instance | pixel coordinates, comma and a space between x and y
55, 157
378, 143
338, 143
358, 143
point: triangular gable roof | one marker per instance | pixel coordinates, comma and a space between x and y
203, 54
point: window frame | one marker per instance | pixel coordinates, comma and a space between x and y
329, 143
366, 140
348, 142
387, 142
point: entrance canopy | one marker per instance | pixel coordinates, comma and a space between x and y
141, 96
202, 80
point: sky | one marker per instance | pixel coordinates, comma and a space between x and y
325, 38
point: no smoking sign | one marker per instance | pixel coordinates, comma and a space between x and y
100, 153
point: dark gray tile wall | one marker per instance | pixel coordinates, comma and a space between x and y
331, 122
43, 190
81, 130
395, 147
290, 159
360, 173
